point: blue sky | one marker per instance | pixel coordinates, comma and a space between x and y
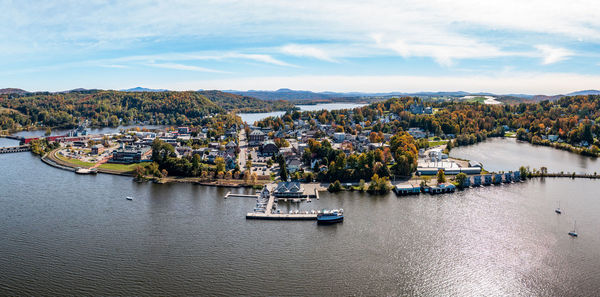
535, 47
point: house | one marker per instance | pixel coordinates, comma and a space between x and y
269, 149
289, 190
339, 137
257, 137
416, 109
231, 145
293, 165
97, 149
183, 130
417, 133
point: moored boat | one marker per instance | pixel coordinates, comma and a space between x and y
330, 217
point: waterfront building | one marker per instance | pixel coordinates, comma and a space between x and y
289, 190
129, 154
507, 177
407, 189
487, 179
497, 178
477, 180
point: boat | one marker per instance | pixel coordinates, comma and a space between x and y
330, 217
129, 198
573, 232
557, 210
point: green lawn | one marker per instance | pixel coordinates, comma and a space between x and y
123, 167
437, 142
74, 161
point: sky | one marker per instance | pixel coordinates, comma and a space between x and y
510, 46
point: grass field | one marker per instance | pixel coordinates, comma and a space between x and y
74, 161
437, 142
123, 167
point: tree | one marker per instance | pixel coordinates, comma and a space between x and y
220, 164
524, 171
139, 172
283, 173
441, 177
335, 187
249, 165
461, 178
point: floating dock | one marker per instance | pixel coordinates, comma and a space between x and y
269, 215
281, 216
229, 194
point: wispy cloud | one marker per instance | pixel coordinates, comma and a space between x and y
114, 66
300, 50
184, 67
551, 55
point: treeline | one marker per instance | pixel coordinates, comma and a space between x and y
329, 164
575, 119
113, 108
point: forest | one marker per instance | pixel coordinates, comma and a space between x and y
114, 108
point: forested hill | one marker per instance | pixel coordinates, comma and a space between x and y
241, 103
111, 108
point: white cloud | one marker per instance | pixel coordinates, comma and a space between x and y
552, 55
184, 67
300, 50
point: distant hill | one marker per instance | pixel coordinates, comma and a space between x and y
285, 94
585, 92
241, 103
12, 91
140, 89
538, 98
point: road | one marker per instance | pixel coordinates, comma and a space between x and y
243, 144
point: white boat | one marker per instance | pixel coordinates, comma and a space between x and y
573, 232
129, 198
557, 210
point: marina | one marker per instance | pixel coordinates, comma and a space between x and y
267, 206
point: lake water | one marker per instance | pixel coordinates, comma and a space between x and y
497, 154
67, 234
250, 118
99, 130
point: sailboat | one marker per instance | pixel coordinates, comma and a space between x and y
558, 211
573, 233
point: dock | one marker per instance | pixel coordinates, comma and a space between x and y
269, 215
281, 216
15, 149
229, 194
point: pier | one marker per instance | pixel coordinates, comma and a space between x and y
229, 194
15, 149
268, 213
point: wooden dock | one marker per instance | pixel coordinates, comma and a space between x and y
15, 149
281, 216
229, 194
269, 215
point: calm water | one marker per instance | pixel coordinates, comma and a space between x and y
498, 154
253, 117
66, 234
102, 130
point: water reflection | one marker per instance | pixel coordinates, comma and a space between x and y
504, 154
